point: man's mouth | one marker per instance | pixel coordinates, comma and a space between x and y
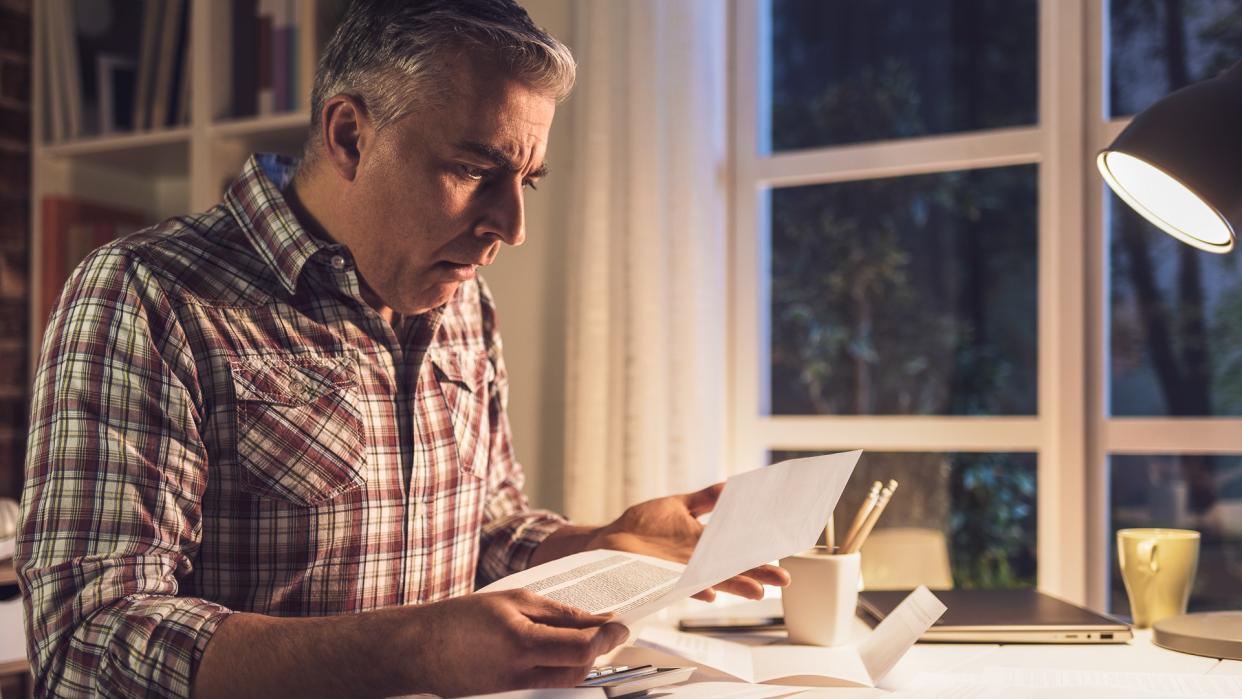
458, 271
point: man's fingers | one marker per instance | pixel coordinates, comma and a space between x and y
702, 501
742, 586
708, 595
545, 611
550, 646
769, 575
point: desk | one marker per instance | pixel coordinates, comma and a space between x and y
1138, 656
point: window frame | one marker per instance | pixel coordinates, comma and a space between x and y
1071, 435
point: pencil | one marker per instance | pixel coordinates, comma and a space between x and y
863, 510
885, 495
830, 533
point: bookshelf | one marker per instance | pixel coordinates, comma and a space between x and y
164, 171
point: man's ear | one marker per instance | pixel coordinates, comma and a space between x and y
347, 133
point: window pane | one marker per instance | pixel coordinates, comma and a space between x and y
984, 504
845, 71
1158, 47
1189, 491
906, 295
1175, 324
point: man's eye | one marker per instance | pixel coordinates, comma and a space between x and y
473, 173
530, 184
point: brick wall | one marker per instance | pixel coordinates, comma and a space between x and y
14, 238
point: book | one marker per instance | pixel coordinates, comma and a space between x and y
178, 93
148, 41
68, 78
245, 58
114, 85
280, 55
165, 63
71, 229
265, 100
51, 45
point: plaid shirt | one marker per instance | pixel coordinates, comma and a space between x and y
221, 423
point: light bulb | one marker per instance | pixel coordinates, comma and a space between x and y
1166, 202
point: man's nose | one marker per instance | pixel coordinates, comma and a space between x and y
506, 217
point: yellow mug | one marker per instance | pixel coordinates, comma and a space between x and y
1158, 568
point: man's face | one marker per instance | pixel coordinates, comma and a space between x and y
442, 187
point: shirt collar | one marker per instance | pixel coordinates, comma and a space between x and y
259, 206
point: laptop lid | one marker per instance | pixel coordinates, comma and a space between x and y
1004, 616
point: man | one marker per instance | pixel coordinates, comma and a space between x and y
269, 451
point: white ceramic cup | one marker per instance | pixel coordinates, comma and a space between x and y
820, 599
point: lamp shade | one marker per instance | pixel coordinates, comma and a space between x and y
1179, 162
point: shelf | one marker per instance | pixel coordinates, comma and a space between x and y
261, 125
162, 152
280, 133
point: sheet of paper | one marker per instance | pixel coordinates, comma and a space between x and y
726, 690
862, 664
1154, 682
1023, 682
810, 665
730, 658
762, 515
769, 513
893, 636
574, 693
598, 581
12, 631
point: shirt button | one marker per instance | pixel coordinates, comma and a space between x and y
338, 262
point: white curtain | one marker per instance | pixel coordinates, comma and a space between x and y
646, 375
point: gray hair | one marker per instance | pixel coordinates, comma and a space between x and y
389, 54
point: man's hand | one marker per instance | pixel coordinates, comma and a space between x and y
667, 528
496, 641
475, 644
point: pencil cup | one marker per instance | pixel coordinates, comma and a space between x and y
820, 599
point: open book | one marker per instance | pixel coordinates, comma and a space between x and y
861, 664
762, 515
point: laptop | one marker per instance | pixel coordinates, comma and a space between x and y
1003, 616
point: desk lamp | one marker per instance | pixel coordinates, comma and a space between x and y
1179, 164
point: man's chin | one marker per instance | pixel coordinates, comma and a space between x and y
431, 299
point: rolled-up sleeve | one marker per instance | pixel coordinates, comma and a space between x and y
111, 510
511, 530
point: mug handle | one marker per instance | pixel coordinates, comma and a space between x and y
1147, 550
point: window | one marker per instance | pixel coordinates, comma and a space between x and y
1173, 377
928, 268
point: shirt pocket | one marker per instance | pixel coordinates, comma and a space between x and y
300, 433
465, 378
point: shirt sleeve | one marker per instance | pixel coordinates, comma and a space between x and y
115, 472
511, 530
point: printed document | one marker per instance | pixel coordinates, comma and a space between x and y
762, 515
861, 664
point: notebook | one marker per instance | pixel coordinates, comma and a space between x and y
1004, 616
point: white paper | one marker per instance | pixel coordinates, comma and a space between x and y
893, 636
761, 516
12, 631
571, 693
599, 581
862, 664
1047, 681
725, 690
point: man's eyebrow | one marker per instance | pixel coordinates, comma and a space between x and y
499, 159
